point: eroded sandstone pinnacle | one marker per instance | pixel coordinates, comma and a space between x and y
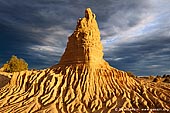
84, 44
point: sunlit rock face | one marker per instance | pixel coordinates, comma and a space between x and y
82, 82
84, 46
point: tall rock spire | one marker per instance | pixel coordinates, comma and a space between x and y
84, 44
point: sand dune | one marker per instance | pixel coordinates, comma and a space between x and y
82, 82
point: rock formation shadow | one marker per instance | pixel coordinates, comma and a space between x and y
4, 80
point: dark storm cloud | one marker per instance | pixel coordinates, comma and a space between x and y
37, 31
144, 47
149, 56
30, 23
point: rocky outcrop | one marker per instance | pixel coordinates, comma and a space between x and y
84, 46
82, 82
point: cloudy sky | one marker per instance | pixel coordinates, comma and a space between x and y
135, 33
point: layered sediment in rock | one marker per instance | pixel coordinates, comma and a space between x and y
84, 46
82, 82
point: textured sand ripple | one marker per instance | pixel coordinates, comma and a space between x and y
68, 90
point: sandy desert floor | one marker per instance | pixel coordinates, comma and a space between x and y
155, 88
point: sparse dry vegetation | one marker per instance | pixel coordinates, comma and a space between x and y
15, 64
